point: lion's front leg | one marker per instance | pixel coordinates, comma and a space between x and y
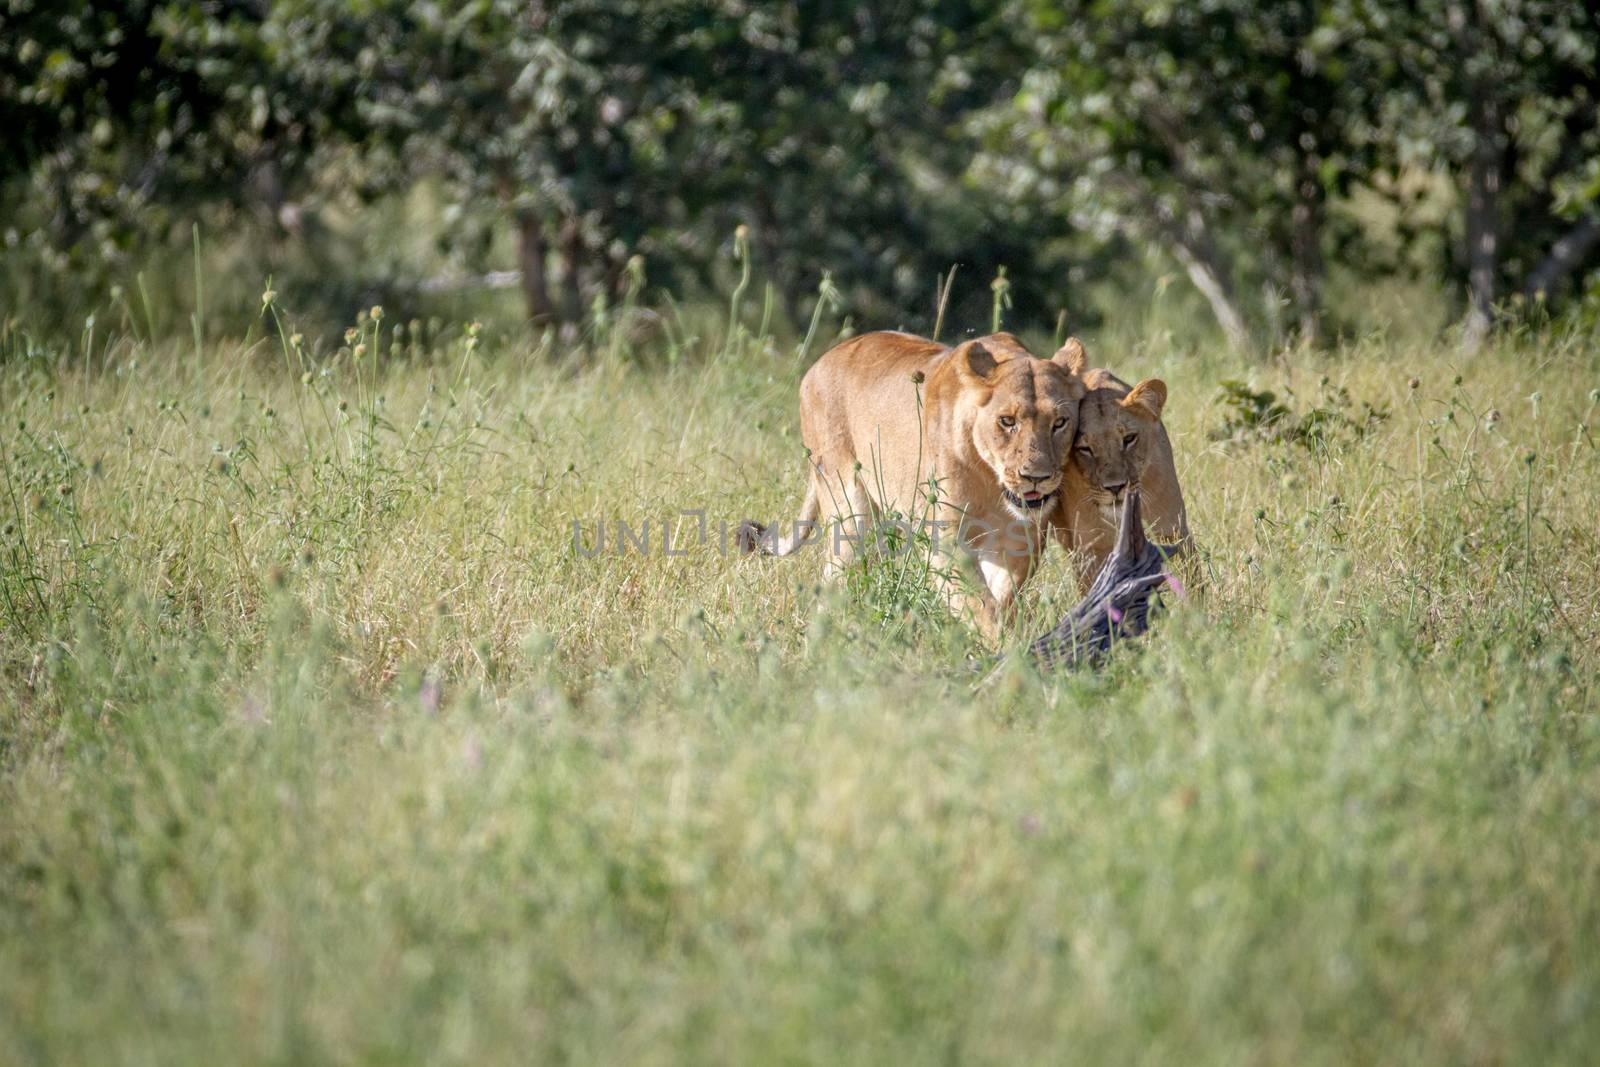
958, 580
1002, 579
981, 589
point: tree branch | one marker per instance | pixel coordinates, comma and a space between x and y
1190, 241
1565, 256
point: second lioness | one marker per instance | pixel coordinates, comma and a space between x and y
885, 416
1121, 445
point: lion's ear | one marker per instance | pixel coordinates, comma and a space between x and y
979, 362
1150, 395
1072, 357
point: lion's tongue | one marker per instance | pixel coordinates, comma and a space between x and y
1032, 494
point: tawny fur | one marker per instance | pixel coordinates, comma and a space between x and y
1104, 467
888, 416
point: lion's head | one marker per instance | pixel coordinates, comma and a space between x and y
1117, 429
1023, 412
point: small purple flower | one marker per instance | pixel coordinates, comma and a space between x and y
1111, 610
1177, 586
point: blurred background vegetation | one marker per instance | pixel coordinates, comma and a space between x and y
321, 743
1281, 165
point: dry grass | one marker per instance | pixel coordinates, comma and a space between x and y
320, 743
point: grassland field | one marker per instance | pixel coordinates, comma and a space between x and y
321, 743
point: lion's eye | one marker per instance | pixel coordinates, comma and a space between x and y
1007, 422
1060, 424
1127, 442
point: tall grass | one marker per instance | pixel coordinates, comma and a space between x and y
319, 742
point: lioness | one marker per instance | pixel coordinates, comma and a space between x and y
1121, 444
972, 439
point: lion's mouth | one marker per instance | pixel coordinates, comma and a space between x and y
1113, 497
1109, 504
1032, 500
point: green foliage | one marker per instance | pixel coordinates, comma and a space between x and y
1258, 416
571, 140
1515, 87
1212, 129
594, 132
896, 580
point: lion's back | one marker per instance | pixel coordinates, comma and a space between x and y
864, 387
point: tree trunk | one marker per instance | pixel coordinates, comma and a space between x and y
1215, 286
1305, 242
572, 271
1189, 239
1210, 271
769, 233
1483, 218
531, 257
1476, 46
1565, 256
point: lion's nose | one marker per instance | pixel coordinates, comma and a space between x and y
1038, 479
1115, 490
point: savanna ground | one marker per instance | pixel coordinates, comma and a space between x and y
319, 743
